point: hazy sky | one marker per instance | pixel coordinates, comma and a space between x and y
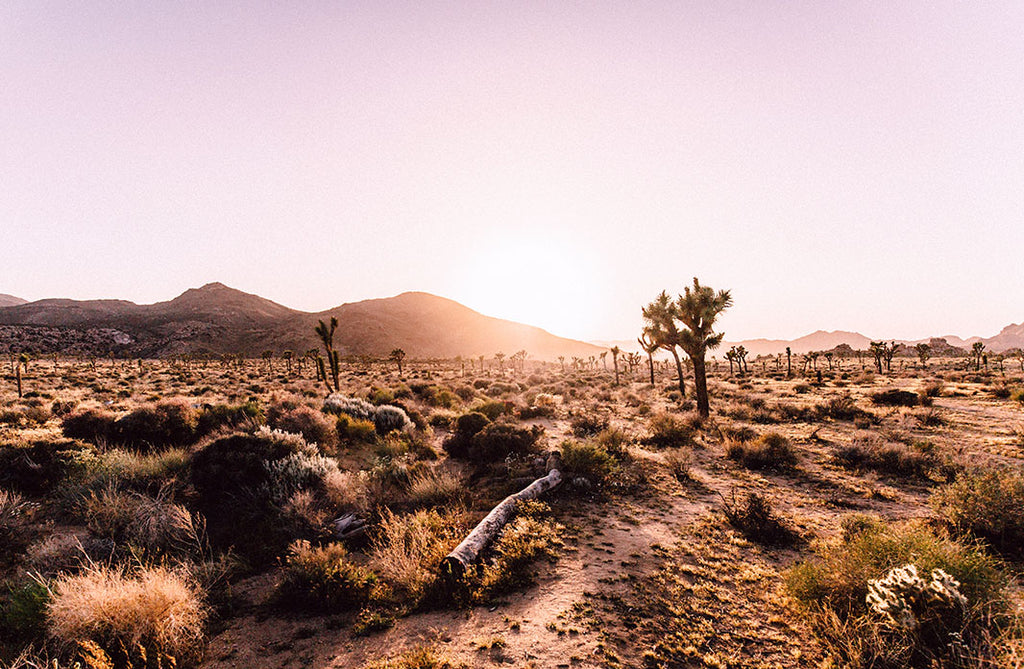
837, 165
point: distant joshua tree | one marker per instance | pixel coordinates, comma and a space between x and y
287, 357
615, 362
660, 327
924, 351
397, 356
649, 346
977, 350
603, 355
561, 361
877, 350
500, 357
326, 334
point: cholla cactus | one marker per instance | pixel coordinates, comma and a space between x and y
904, 598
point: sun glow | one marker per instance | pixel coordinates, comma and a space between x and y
541, 279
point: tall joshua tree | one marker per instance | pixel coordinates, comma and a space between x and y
698, 308
649, 346
615, 362
660, 327
326, 334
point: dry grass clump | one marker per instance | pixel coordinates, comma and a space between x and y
314, 427
422, 657
679, 461
324, 579
756, 519
589, 460
527, 538
896, 458
835, 584
89, 424
407, 550
155, 608
987, 504
894, 397
156, 526
771, 451
172, 422
14, 511
436, 487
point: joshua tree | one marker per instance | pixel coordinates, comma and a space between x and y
660, 327
730, 355
789, 362
877, 350
741, 359
23, 362
924, 351
615, 362
326, 334
500, 357
976, 352
561, 361
397, 356
520, 358
268, 357
287, 357
649, 346
603, 355
633, 359
828, 356
698, 308
889, 352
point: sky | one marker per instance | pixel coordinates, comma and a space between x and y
855, 166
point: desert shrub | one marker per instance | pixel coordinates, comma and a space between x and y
324, 579
350, 406
589, 460
93, 471
894, 397
741, 433
247, 483
406, 551
679, 461
887, 457
156, 610
37, 467
436, 487
14, 512
933, 388
380, 396
769, 451
470, 423
156, 526
167, 423
525, 539
756, 519
497, 389
480, 384
92, 425
1001, 391
389, 418
493, 410
421, 657
355, 431
23, 609
311, 424
218, 416
668, 431
614, 440
497, 441
465, 393
842, 407
588, 424
835, 586
987, 504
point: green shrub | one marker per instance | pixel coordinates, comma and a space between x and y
36, 468
324, 579
835, 584
355, 431
668, 431
217, 416
495, 442
988, 504
842, 407
769, 451
589, 460
23, 609
494, 410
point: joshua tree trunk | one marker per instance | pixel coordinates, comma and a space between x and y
650, 363
18, 375
679, 371
700, 384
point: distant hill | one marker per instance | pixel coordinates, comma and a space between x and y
10, 300
219, 319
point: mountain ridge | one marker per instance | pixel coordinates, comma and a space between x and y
215, 318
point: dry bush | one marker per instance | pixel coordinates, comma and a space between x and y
422, 657
89, 424
14, 510
756, 519
314, 427
156, 526
172, 422
588, 424
895, 397
157, 609
406, 551
324, 579
987, 504
665, 430
679, 461
919, 459
436, 487
771, 451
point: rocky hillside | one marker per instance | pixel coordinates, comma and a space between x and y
219, 319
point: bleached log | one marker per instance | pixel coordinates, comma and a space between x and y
349, 526
454, 566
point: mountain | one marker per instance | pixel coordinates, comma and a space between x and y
10, 300
1012, 336
219, 319
821, 340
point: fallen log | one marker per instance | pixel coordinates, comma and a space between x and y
454, 566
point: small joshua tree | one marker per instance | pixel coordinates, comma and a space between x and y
397, 356
976, 352
615, 362
326, 334
924, 351
877, 350
649, 346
